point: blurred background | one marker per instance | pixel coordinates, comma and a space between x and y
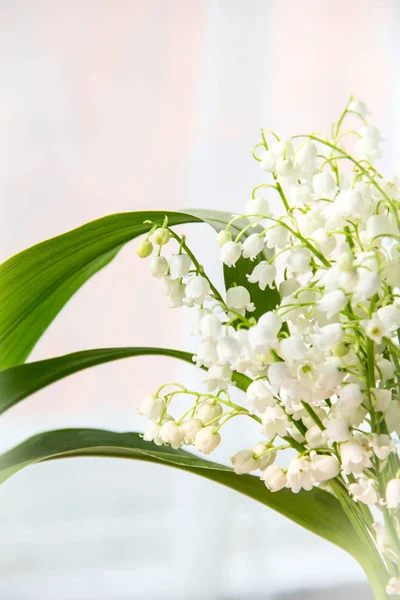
110, 106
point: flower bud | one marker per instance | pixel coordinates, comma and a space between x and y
244, 462
208, 412
152, 408
158, 266
207, 439
144, 248
230, 253
274, 478
161, 236
223, 237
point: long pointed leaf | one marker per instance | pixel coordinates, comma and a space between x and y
316, 510
19, 382
36, 283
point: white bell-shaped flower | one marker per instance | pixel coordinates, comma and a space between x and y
228, 350
367, 148
171, 433
207, 439
359, 107
206, 354
301, 194
275, 422
299, 260
238, 300
268, 161
375, 328
364, 491
328, 336
371, 131
271, 321
210, 326
179, 266
223, 237
152, 434
305, 161
152, 407
274, 478
393, 493
190, 429
259, 396
209, 411
381, 399
378, 226
336, 430
257, 207
158, 266
293, 349
219, 377
175, 289
324, 467
278, 375
300, 475
264, 274
268, 457
244, 462
324, 185
355, 457
252, 246
332, 303
390, 316
230, 253
382, 445
325, 242
198, 289
284, 167
276, 237
282, 149
314, 437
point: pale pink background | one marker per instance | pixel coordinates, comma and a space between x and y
111, 106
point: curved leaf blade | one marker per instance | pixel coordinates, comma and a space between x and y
37, 283
21, 381
316, 510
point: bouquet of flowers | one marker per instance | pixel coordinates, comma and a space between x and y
308, 328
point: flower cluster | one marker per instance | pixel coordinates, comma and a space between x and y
322, 368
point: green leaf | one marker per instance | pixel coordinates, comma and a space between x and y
19, 382
36, 283
316, 510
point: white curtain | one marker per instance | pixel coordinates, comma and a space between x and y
112, 106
